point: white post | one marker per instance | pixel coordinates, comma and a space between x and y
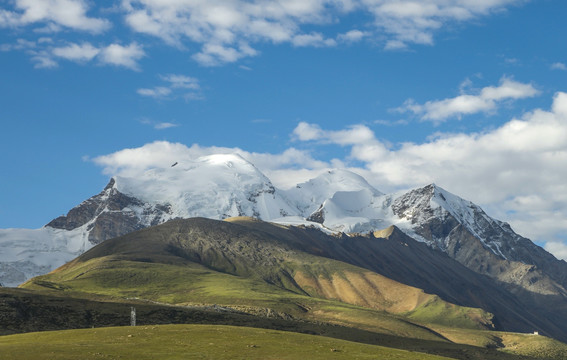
132, 316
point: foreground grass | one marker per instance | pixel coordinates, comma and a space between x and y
190, 342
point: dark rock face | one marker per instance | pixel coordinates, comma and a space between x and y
318, 216
432, 224
111, 214
109, 225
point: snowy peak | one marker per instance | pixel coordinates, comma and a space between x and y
340, 200
310, 196
332, 181
216, 187
226, 172
421, 204
435, 213
227, 185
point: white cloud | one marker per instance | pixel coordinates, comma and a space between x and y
214, 54
157, 92
69, 13
415, 22
9, 19
75, 52
221, 26
158, 125
227, 31
559, 249
486, 101
313, 39
177, 85
165, 125
285, 169
306, 132
516, 171
43, 60
391, 123
118, 55
21, 44
352, 36
559, 66
45, 54
181, 81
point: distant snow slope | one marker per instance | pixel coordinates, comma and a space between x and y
26, 253
221, 186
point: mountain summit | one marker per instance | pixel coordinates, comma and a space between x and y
227, 185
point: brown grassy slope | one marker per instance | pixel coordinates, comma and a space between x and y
395, 255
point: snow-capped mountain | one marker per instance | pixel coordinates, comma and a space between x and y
221, 186
216, 187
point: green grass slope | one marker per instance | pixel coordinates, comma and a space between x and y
207, 261
193, 284
190, 342
258, 268
27, 311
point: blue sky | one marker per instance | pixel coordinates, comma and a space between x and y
466, 94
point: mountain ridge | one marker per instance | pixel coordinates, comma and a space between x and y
337, 201
390, 272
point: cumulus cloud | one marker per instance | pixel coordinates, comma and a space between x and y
313, 39
285, 169
352, 36
76, 52
45, 54
517, 170
221, 27
68, 13
43, 60
175, 85
126, 56
158, 125
156, 92
227, 31
559, 66
178, 81
215, 54
415, 22
165, 125
20, 44
486, 101
559, 249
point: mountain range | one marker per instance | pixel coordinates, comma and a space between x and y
426, 238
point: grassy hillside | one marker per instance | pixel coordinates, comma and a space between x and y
194, 284
394, 255
25, 311
205, 261
190, 342
267, 271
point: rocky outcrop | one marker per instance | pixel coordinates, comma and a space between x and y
110, 214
